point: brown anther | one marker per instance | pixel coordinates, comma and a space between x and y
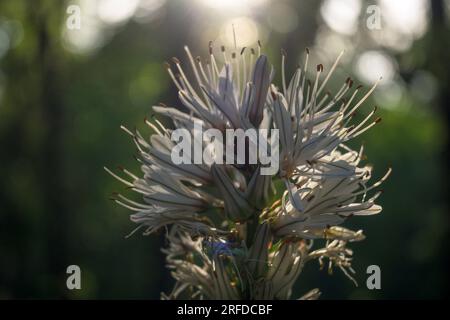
274, 95
320, 67
210, 47
175, 60
377, 120
349, 82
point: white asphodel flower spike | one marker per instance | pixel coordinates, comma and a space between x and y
231, 234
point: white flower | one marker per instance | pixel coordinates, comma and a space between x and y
338, 255
332, 194
233, 95
232, 236
313, 124
210, 275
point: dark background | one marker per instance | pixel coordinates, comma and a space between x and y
64, 93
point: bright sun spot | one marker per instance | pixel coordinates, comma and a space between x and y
116, 11
233, 4
224, 3
372, 65
245, 29
341, 15
406, 16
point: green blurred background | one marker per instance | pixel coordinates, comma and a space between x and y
65, 92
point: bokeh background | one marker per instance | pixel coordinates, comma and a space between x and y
64, 93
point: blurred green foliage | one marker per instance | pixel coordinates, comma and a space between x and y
60, 114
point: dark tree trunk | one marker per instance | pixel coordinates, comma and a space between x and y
51, 168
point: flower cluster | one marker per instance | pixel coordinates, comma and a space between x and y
234, 233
